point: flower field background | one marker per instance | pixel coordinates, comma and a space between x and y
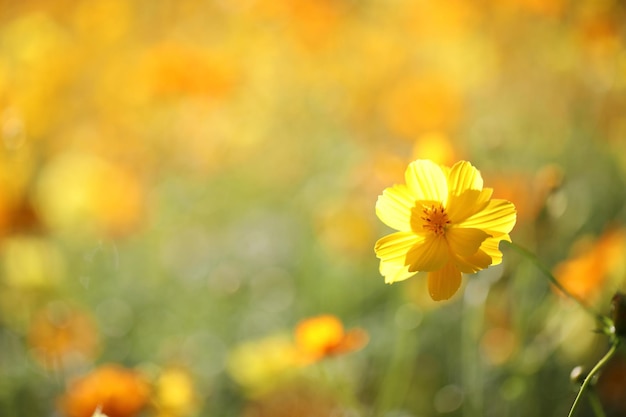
187, 193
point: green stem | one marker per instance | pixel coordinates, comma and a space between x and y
548, 274
589, 377
397, 378
596, 405
472, 371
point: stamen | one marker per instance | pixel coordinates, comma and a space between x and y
436, 220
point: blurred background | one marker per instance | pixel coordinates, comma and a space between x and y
183, 182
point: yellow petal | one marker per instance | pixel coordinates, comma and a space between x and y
461, 206
473, 263
444, 283
463, 176
427, 181
429, 255
394, 271
491, 247
497, 219
465, 242
394, 207
394, 248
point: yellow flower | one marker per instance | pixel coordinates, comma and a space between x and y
259, 366
175, 393
447, 225
323, 336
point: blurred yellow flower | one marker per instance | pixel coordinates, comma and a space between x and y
324, 335
79, 193
447, 225
261, 365
175, 393
31, 263
113, 390
436, 146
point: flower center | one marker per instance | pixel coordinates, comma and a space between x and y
435, 220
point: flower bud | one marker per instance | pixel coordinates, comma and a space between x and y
578, 375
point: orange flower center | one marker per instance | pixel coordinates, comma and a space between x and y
435, 220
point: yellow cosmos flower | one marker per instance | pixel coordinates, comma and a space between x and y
324, 336
447, 225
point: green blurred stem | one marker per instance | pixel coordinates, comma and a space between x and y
589, 377
396, 382
472, 369
596, 406
548, 274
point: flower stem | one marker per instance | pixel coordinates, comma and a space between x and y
596, 405
589, 377
548, 274
472, 370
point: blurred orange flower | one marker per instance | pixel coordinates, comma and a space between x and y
116, 391
312, 22
529, 193
322, 336
585, 273
418, 104
59, 335
177, 68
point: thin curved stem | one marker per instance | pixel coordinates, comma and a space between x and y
548, 274
589, 377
